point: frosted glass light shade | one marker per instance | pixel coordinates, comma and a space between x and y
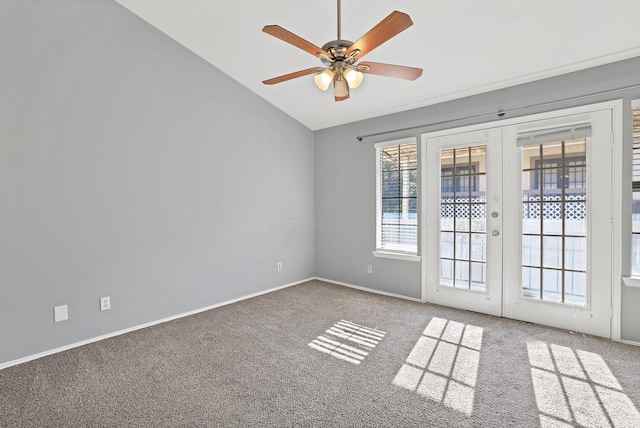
324, 79
354, 77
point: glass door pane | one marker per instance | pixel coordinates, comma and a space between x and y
554, 221
463, 222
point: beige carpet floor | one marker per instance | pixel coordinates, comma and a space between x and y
321, 355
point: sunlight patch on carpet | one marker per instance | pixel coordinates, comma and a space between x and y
443, 365
348, 341
577, 387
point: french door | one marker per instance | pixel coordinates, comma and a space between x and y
464, 209
519, 220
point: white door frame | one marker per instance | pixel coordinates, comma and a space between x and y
616, 109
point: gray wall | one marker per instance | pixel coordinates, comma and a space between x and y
345, 175
131, 168
345, 215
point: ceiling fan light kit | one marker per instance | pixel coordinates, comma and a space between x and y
341, 57
323, 79
354, 77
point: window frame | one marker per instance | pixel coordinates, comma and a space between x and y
380, 250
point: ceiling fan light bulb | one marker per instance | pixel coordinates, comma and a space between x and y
324, 79
354, 78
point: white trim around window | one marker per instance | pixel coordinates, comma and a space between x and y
397, 199
397, 256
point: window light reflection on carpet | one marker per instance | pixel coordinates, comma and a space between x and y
348, 341
577, 387
443, 365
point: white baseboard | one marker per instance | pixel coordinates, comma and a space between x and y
206, 308
370, 290
141, 326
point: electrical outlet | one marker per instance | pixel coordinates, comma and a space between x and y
105, 303
280, 267
369, 269
60, 313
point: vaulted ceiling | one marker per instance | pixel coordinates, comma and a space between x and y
464, 46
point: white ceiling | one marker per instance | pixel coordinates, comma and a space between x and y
464, 46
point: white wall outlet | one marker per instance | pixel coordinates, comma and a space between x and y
280, 267
60, 313
369, 269
105, 303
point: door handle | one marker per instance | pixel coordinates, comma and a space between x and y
495, 233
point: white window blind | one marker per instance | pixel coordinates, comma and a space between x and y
397, 196
554, 134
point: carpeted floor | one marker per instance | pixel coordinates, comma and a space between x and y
321, 355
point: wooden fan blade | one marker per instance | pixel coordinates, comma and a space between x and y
392, 25
399, 71
297, 41
294, 75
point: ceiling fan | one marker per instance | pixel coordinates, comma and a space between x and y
340, 57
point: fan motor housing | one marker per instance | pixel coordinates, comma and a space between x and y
338, 50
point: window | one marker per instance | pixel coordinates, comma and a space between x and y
397, 196
635, 210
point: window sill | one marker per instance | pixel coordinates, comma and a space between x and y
397, 256
631, 281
